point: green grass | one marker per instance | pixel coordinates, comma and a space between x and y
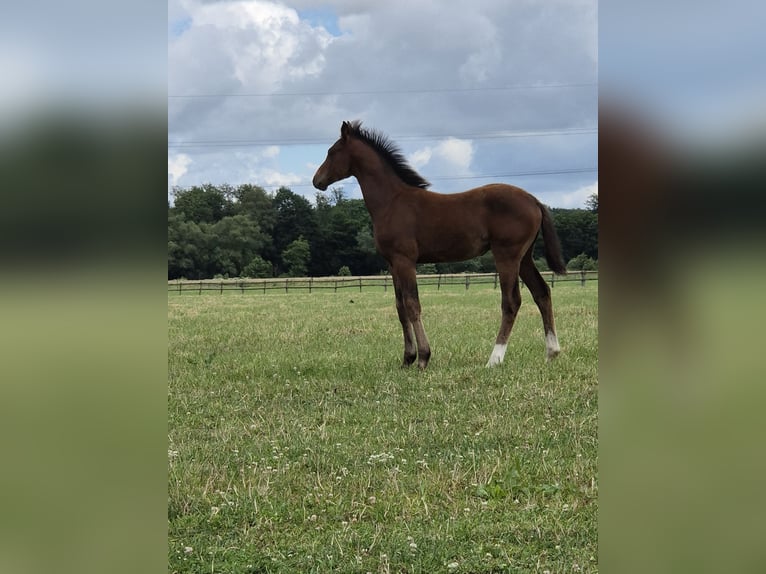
297, 444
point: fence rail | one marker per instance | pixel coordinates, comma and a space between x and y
384, 282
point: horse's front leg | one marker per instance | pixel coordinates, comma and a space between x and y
410, 351
408, 306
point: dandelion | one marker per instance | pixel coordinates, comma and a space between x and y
372, 500
452, 566
413, 547
188, 549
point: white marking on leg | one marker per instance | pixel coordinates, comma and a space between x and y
498, 353
551, 345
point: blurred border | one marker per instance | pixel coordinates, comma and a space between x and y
681, 148
83, 254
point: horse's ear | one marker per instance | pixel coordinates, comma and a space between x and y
344, 128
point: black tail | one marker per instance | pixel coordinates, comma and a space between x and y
551, 246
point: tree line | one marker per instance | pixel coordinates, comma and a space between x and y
244, 231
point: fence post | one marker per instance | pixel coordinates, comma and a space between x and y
200, 287
264, 287
385, 283
222, 287
287, 283
360, 284
553, 282
336, 285
496, 274
179, 286
467, 282
311, 282
439, 282
582, 277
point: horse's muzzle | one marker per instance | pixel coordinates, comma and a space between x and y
318, 183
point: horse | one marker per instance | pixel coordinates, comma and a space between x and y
412, 225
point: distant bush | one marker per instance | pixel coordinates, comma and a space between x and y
344, 271
582, 263
542, 264
258, 267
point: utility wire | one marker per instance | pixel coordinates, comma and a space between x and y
492, 176
377, 92
315, 141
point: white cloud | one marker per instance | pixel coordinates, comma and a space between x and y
271, 151
451, 155
249, 45
578, 197
456, 152
178, 165
421, 157
274, 178
389, 51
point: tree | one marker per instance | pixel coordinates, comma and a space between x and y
258, 267
188, 248
591, 204
254, 202
294, 218
296, 257
237, 240
337, 195
201, 204
577, 230
582, 263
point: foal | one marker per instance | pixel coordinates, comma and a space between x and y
413, 225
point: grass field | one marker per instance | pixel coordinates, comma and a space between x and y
297, 444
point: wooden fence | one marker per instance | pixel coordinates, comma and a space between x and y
383, 282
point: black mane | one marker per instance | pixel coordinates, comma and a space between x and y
390, 152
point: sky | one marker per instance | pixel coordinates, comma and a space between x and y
473, 92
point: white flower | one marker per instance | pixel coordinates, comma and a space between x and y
453, 565
188, 549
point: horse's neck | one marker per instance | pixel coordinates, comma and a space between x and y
378, 184
377, 193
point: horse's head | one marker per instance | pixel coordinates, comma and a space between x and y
337, 165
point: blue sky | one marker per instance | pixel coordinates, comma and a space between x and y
321, 17
481, 92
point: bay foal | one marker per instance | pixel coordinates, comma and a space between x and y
413, 225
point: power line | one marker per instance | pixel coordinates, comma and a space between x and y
380, 92
532, 173
316, 141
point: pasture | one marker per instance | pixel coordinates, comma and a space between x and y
296, 443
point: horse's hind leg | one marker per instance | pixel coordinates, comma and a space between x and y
541, 293
508, 271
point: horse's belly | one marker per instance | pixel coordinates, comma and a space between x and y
450, 248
